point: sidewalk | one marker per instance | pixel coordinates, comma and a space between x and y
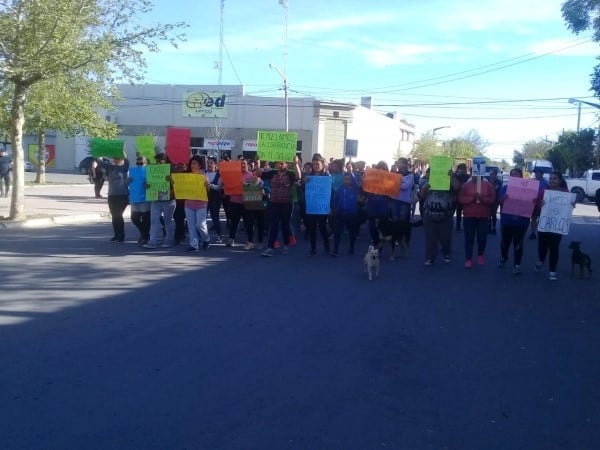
54, 204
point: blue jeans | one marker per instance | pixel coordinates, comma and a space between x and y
165, 208
197, 228
475, 226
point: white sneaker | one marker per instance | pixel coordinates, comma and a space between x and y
249, 246
553, 276
150, 245
268, 252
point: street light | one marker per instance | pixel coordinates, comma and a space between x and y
285, 92
579, 102
438, 128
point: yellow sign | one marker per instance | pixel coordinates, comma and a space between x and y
189, 186
204, 104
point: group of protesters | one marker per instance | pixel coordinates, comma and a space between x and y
278, 209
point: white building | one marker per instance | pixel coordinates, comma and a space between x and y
224, 118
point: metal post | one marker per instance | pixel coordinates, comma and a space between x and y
578, 116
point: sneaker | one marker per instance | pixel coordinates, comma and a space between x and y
285, 250
277, 244
267, 252
553, 276
206, 245
468, 264
166, 245
481, 260
500, 264
249, 246
447, 259
219, 240
516, 269
229, 242
191, 249
151, 245
429, 262
538, 266
292, 240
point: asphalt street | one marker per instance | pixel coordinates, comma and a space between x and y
111, 346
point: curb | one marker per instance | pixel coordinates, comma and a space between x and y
53, 221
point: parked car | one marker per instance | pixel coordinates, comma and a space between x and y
29, 167
586, 186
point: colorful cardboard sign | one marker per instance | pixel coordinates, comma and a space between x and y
439, 179
159, 188
382, 182
557, 211
177, 145
520, 196
189, 186
137, 189
231, 177
109, 148
317, 192
277, 145
144, 145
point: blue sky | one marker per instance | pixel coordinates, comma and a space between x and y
504, 68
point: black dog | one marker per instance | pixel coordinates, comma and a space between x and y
395, 232
578, 258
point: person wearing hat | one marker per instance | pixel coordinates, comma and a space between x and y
539, 175
5, 168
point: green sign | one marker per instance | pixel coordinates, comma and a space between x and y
276, 145
109, 148
439, 166
158, 187
145, 147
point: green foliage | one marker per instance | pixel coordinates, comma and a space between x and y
425, 148
574, 151
518, 158
460, 149
532, 150
580, 16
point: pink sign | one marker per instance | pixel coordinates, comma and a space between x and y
520, 196
177, 145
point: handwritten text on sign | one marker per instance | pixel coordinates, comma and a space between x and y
159, 188
277, 145
318, 195
557, 211
439, 166
520, 193
382, 182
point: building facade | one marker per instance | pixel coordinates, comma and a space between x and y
225, 120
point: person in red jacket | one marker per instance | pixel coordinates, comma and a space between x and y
476, 212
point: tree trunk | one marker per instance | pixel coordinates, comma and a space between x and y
17, 204
41, 157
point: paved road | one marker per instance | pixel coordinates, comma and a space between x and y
111, 346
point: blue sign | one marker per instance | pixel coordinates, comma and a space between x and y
137, 191
317, 192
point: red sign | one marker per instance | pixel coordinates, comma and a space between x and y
177, 146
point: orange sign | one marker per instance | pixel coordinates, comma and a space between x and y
382, 182
231, 175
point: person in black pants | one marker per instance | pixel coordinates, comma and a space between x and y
118, 195
462, 176
98, 175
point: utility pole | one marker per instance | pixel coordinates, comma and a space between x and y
221, 44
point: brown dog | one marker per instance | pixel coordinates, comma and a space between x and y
578, 258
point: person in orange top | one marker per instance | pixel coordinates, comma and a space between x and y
476, 213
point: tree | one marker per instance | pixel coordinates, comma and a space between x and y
425, 148
43, 40
460, 149
574, 151
532, 150
476, 140
580, 16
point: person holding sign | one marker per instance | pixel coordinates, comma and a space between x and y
214, 196
476, 196
118, 194
317, 211
377, 208
438, 209
345, 209
196, 211
237, 211
280, 203
549, 241
140, 208
512, 228
161, 206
